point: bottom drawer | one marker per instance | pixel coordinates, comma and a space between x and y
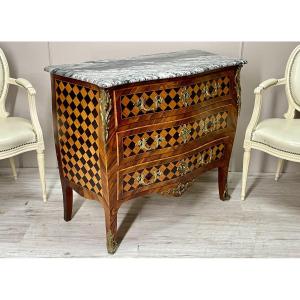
158, 174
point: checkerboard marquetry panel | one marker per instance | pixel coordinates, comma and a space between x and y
78, 125
171, 170
170, 137
172, 98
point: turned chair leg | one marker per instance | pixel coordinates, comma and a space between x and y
246, 162
279, 168
41, 165
111, 230
13, 167
68, 202
222, 181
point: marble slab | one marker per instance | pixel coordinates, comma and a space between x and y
110, 73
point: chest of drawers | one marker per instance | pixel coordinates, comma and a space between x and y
150, 124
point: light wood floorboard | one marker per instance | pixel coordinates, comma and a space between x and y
198, 224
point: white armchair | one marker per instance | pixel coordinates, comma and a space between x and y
18, 135
278, 137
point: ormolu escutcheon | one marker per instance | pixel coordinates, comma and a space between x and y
202, 161
142, 180
142, 106
142, 143
184, 133
158, 139
183, 168
185, 95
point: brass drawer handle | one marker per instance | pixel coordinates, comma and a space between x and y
143, 181
205, 128
212, 127
207, 93
142, 143
183, 168
184, 133
214, 122
202, 161
184, 96
216, 87
158, 140
141, 104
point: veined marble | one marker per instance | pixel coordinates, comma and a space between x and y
109, 73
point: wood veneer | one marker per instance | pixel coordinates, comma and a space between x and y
176, 137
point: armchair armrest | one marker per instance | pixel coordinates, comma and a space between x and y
257, 106
21, 82
26, 84
268, 83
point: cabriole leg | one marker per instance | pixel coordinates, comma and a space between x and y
222, 180
111, 230
246, 162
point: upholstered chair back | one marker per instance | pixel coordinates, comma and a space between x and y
4, 77
292, 75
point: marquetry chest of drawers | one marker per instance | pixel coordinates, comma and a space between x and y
143, 125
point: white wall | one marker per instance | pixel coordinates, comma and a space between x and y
265, 60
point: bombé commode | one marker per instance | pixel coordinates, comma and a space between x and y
150, 124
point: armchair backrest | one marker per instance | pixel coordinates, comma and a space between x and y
4, 77
292, 75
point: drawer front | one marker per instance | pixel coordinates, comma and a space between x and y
173, 136
149, 177
176, 136
157, 99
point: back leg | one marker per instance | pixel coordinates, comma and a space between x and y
13, 167
279, 168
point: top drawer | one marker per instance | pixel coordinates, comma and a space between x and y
168, 98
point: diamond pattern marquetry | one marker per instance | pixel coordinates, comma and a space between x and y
78, 126
174, 98
173, 136
171, 170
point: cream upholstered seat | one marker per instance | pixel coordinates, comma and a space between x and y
18, 135
15, 132
278, 137
279, 134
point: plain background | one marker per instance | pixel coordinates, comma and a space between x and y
265, 60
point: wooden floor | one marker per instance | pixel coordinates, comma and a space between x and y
197, 224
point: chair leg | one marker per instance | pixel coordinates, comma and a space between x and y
279, 168
41, 165
246, 162
13, 167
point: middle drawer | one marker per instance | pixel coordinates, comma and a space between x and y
169, 138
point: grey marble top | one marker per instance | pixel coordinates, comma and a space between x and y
109, 73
